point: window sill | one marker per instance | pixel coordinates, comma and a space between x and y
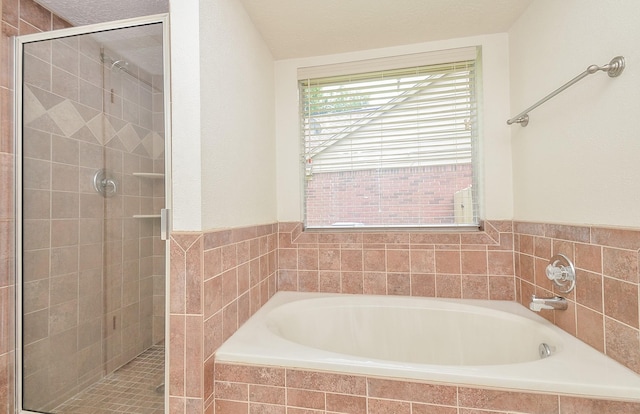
465, 228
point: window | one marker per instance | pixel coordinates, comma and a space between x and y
391, 148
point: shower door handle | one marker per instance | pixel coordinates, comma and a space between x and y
165, 227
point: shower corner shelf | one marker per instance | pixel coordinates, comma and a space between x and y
149, 175
141, 216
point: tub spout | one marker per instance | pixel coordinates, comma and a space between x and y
554, 303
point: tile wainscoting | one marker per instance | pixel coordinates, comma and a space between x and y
603, 309
220, 278
474, 265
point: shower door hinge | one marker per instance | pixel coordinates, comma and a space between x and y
165, 225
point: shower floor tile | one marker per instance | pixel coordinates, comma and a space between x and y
130, 389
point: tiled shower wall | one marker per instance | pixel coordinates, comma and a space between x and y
134, 253
18, 17
63, 311
63, 223
86, 255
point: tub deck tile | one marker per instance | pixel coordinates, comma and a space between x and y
348, 404
412, 391
507, 400
327, 382
436, 409
306, 399
260, 375
572, 405
388, 407
267, 394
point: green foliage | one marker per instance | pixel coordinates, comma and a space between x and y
320, 101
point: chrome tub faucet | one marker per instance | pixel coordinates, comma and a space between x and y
553, 303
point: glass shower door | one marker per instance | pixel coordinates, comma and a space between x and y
92, 267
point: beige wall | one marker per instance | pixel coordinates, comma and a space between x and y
185, 116
223, 128
577, 161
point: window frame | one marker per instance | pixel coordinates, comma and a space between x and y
355, 68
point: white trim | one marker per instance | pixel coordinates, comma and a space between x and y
94, 28
389, 63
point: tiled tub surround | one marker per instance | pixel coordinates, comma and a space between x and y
470, 265
603, 309
218, 280
444, 265
245, 389
463, 342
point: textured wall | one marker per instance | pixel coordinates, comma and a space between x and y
575, 163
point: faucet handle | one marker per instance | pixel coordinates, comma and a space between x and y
561, 271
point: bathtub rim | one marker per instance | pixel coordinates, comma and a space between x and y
551, 337
583, 372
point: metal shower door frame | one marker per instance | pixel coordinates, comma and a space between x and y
19, 43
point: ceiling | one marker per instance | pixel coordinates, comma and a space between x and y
84, 12
299, 28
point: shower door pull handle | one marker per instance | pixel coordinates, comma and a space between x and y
164, 224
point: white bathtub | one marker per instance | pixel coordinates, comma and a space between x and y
464, 342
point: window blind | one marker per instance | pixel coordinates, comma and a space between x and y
396, 119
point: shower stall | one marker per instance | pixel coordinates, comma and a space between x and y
92, 205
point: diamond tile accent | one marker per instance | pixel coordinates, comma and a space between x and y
67, 118
129, 137
47, 99
33, 108
95, 126
147, 143
86, 112
158, 145
86, 135
45, 123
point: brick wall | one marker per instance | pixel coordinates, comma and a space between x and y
388, 196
